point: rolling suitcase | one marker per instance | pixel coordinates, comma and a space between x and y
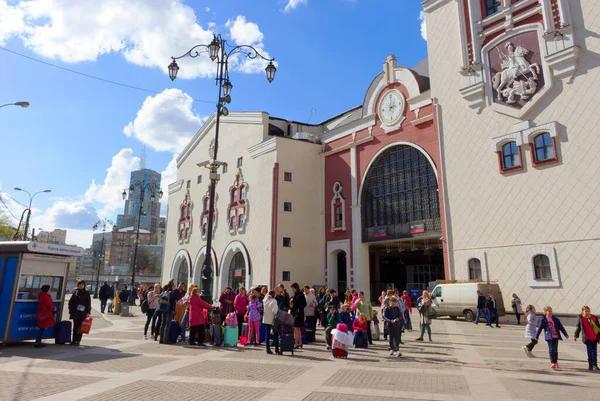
245, 330
310, 335
359, 341
63, 332
231, 336
174, 331
215, 334
263, 333
286, 342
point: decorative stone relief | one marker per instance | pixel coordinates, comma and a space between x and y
237, 211
205, 212
184, 226
338, 209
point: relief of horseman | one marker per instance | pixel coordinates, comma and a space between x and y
514, 65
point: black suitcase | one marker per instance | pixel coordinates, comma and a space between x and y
62, 332
310, 335
359, 342
286, 343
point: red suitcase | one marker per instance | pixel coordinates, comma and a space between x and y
339, 353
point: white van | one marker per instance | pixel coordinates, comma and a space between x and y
460, 299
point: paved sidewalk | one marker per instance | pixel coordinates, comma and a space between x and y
464, 362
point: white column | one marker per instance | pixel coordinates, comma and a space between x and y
565, 12
463, 33
324, 261
356, 223
547, 15
474, 16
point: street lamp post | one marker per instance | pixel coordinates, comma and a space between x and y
104, 223
20, 104
152, 187
29, 208
217, 51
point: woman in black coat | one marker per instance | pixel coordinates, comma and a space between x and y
80, 306
297, 309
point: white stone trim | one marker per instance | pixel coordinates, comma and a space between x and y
430, 5
174, 187
551, 128
500, 141
550, 252
197, 269
565, 13
228, 253
333, 248
181, 255
268, 146
481, 255
347, 146
464, 51
337, 194
420, 101
347, 129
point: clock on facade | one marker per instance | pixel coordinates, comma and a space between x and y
391, 108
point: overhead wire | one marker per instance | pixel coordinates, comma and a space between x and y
98, 78
7, 208
14, 200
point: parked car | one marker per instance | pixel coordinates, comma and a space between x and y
460, 299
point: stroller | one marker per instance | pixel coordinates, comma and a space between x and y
342, 340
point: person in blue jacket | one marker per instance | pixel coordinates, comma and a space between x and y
553, 327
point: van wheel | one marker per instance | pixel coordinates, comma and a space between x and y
469, 315
453, 317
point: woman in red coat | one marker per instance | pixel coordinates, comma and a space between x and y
45, 314
197, 307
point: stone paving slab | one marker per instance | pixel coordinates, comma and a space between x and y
318, 396
118, 335
113, 362
549, 389
154, 390
153, 347
413, 382
238, 371
29, 386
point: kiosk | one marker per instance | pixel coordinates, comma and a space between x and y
26, 266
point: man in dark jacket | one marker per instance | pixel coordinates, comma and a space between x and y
103, 295
492, 311
80, 306
333, 299
124, 295
481, 309
283, 298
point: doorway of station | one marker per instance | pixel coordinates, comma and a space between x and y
405, 265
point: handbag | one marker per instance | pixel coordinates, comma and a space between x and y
86, 325
144, 306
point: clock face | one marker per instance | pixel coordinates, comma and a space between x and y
391, 107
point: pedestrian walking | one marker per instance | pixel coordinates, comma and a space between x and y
269, 311
425, 315
492, 311
80, 307
552, 328
393, 316
45, 314
104, 295
482, 309
530, 330
517, 307
589, 328
151, 315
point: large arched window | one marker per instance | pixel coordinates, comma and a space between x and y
510, 156
543, 148
182, 274
474, 269
237, 271
541, 264
400, 189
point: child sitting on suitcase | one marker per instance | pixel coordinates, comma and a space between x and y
360, 327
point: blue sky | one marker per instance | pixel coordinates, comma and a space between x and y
81, 137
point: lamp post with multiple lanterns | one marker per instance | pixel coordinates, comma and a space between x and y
104, 223
218, 52
143, 187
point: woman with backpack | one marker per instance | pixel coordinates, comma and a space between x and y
424, 314
589, 328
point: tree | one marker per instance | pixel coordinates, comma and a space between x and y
7, 232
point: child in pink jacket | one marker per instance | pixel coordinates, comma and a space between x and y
254, 308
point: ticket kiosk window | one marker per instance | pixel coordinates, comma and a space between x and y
30, 286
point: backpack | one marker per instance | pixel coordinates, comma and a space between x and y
165, 302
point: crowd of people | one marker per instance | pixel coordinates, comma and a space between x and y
176, 308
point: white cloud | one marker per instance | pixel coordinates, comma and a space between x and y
292, 4
146, 33
423, 25
165, 123
242, 31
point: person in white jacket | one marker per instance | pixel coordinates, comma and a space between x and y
311, 307
270, 309
530, 330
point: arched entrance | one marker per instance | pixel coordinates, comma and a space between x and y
400, 216
180, 269
184, 273
342, 278
237, 271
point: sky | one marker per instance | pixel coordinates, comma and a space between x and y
82, 136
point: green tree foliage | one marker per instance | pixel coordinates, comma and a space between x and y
7, 231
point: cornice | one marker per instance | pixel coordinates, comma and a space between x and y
263, 148
430, 5
176, 186
347, 129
